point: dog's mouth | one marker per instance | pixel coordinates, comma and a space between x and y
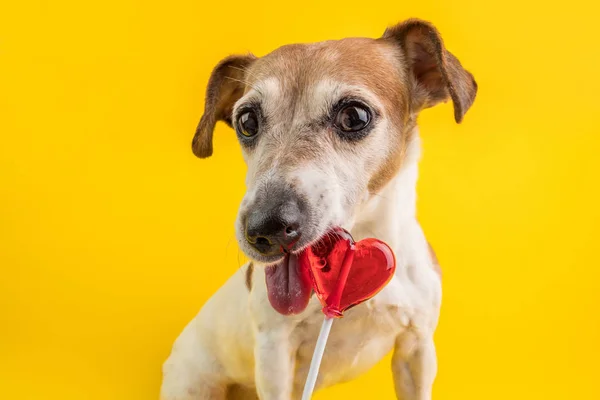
288, 285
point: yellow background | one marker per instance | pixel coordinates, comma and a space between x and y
112, 235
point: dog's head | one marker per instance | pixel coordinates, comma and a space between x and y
324, 126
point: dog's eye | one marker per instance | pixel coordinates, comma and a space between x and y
248, 124
353, 118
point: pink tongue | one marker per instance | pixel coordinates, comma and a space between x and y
288, 286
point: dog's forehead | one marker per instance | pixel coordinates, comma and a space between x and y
297, 69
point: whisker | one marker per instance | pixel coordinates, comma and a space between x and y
239, 80
245, 83
244, 70
247, 71
228, 244
373, 234
378, 195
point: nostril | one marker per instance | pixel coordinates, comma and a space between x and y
262, 241
263, 244
291, 231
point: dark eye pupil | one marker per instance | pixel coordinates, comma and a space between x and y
248, 124
353, 118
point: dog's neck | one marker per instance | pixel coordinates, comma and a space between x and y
386, 215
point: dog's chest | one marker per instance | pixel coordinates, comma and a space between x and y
357, 341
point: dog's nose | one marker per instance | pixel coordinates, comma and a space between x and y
274, 231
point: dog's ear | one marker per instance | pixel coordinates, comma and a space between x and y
225, 87
437, 75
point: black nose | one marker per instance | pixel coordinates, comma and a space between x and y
275, 229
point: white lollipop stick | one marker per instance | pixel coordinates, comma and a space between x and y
331, 309
313, 372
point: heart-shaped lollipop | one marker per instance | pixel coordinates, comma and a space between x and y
345, 273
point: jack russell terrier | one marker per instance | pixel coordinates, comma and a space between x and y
329, 133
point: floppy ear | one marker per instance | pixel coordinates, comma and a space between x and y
437, 74
225, 87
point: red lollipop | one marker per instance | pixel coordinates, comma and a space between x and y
344, 274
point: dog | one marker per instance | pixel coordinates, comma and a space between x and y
329, 133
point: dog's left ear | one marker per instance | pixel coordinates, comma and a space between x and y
437, 74
225, 86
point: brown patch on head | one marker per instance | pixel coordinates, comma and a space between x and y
370, 63
249, 272
298, 71
355, 61
434, 259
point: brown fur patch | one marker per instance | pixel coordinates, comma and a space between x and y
360, 61
239, 392
249, 272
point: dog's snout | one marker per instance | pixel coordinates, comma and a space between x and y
274, 229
